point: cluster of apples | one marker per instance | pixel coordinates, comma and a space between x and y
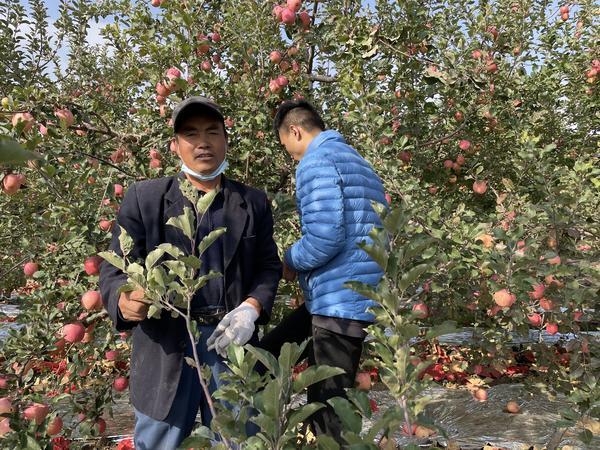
290, 11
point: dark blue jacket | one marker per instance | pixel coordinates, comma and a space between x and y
252, 269
334, 190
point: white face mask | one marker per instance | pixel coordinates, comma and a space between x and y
218, 171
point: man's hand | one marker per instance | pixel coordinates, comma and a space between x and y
237, 326
289, 274
132, 307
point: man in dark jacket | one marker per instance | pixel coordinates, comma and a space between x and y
165, 390
334, 190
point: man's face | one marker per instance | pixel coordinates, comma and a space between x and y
201, 143
289, 139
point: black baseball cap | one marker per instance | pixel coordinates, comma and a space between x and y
195, 105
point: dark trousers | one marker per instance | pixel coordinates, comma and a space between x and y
326, 348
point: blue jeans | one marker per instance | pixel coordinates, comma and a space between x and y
151, 434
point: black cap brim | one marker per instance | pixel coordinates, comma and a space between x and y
196, 105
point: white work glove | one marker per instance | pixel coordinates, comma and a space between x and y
237, 326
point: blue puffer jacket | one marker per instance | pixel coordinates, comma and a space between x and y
334, 190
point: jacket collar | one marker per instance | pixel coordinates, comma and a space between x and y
323, 136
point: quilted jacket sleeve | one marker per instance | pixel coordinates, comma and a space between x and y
321, 205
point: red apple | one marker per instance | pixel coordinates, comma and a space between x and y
27, 118
155, 163
479, 187
460, 160
156, 3
534, 319
5, 426
12, 182
458, 116
420, 310
54, 426
29, 268
275, 57
405, 156
101, 425
538, 291
65, 116
162, 89
282, 80
105, 225
91, 265
363, 381
277, 10
111, 355
173, 73
513, 407
551, 328
480, 394
546, 304
288, 16
73, 332
120, 384
294, 5
305, 19
577, 315
504, 298
5, 405
476, 54
154, 154
91, 300
118, 190
215, 37
464, 144
37, 412
448, 164
206, 66
388, 198
3, 383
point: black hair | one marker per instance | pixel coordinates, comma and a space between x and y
297, 112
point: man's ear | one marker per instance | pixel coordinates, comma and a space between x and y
175, 145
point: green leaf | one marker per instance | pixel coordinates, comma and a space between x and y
32, 443
170, 249
11, 152
153, 312
113, 259
188, 190
208, 240
586, 436
177, 267
135, 268
191, 362
303, 413
445, 327
412, 275
191, 261
201, 437
205, 201
325, 442
350, 419
153, 257
314, 374
125, 241
184, 222
265, 357
361, 400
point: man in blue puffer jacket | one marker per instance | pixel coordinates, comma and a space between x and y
334, 190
